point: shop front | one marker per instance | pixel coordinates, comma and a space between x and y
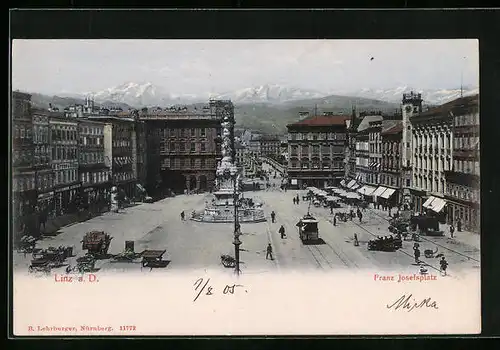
128, 187
23, 209
65, 198
418, 198
389, 197
435, 206
45, 202
468, 213
95, 197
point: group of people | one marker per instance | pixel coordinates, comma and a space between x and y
443, 264
296, 199
452, 227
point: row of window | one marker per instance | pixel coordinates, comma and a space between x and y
391, 147
64, 135
316, 149
123, 176
94, 177
389, 180
45, 182
40, 134
469, 119
65, 176
317, 136
463, 192
316, 165
427, 183
182, 147
362, 146
390, 162
184, 132
91, 158
92, 130
22, 132
64, 153
190, 163
121, 143
466, 166
436, 140
432, 164
23, 183
21, 157
91, 141
466, 142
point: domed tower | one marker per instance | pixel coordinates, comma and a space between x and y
411, 105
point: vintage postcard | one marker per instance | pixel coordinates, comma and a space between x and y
245, 187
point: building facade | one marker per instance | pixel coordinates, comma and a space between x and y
240, 154
93, 172
42, 159
254, 145
189, 146
432, 142
64, 162
23, 175
390, 171
374, 152
365, 164
316, 151
463, 180
270, 146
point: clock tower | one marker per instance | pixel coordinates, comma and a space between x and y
411, 105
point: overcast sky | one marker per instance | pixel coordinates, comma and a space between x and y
201, 66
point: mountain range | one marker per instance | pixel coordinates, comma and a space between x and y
148, 94
267, 108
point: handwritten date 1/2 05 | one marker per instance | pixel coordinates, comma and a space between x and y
201, 286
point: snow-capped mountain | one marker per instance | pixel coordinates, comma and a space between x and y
140, 94
270, 93
430, 96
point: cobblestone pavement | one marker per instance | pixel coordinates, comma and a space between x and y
196, 245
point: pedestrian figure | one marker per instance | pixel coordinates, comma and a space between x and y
416, 254
444, 265
452, 230
335, 220
298, 199
331, 209
269, 252
389, 211
273, 216
294, 200
356, 242
360, 216
282, 232
459, 225
182, 216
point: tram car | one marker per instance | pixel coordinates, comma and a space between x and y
308, 229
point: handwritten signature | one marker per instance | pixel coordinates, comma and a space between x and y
209, 290
409, 303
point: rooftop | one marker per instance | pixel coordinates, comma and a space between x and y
365, 123
462, 102
322, 120
393, 129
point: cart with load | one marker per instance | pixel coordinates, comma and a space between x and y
84, 264
385, 244
153, 259
128, 255
308, 229
97, 243
40, 265
26, 244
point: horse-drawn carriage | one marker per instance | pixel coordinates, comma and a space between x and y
46, 259
385, 244
97, 243
308, 229
153, 259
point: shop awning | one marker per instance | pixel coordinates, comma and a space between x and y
342, 183
356, 186
366, 190
379, 191
435, 204
351, 183
352, 195
388, 193
428, 202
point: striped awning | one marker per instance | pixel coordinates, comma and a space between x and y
366, 190
351, 183
428, 201
435, 204
379, 191
388, 193
356, 186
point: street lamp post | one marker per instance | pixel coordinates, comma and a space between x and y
236, 242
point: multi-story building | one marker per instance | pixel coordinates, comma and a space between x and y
189, 145
374, 151
350, 149
23, 174
270, 146
432, 156
316, 151
365, 167
141, 152
42, 159
463, 180
240, 153
64, 162
93, 172
390, 171
254, 145
119, 154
